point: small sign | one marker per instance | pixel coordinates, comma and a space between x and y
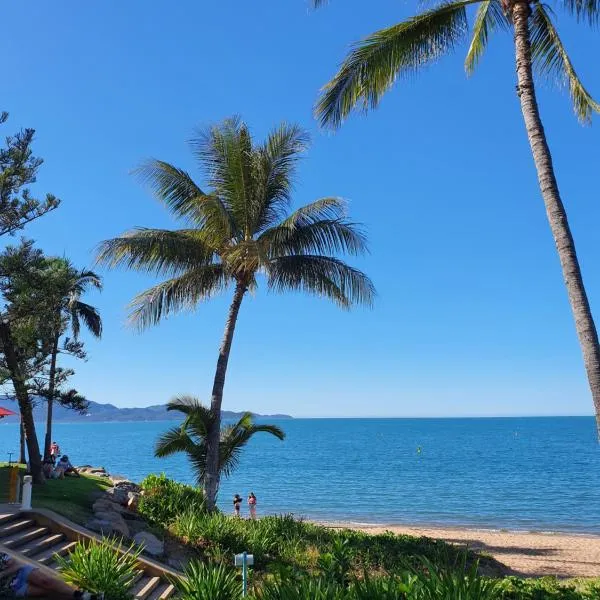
239, 560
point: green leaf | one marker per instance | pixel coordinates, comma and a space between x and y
375, 63
550, 59
490, 17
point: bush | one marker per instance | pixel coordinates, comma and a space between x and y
164, 500
306, 589
99, 568
546, 588
203, 582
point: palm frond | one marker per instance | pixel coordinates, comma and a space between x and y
276, 162
225, 153
80, 311
584, 10
490, 17
235, 437
550, 59
375, 63
178, 191
157, 251
173, 441
323, 276
324, 236
177, 294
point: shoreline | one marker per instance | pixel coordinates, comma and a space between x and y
525, 553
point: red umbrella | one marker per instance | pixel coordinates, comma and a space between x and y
4, 412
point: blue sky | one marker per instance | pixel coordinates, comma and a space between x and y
472, 317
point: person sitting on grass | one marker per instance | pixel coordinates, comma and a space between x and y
64, 468
19, 580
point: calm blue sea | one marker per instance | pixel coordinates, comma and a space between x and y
522, 473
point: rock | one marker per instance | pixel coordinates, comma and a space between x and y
102, 526
118, 495
128, 486
152, 545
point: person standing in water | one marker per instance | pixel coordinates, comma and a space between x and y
237, 505
252, 505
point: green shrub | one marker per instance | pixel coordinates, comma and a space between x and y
204, 582
383, 588
306, 589
546, 588
458, 582
99, 568
164, 500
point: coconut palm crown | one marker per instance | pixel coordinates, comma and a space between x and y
375, 63
237, 229
191, 437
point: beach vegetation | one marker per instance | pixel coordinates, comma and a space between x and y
97, 567
191, 437
395, 53
206, 582
236, 229
164, 499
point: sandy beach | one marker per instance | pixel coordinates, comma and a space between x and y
525, 554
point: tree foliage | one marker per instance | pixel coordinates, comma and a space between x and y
18, 170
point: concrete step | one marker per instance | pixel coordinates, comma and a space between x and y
20, 538
7, 517
41, 544
15, 526
149, 585
47, 557
164, 591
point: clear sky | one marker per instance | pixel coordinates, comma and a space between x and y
472, 316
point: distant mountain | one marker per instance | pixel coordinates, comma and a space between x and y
109, 412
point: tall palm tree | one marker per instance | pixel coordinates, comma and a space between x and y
237, 229
192, 437
69, 285
377, 61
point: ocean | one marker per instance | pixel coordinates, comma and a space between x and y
538, 474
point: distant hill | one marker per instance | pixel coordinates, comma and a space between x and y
108, 412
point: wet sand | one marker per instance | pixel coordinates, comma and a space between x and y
525, 554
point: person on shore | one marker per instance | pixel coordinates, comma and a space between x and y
18, 580
48, 468
252, 505
237, 505
54, 452
64, 468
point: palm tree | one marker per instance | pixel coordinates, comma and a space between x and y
238, 229
69, 285
192, 437
375, 63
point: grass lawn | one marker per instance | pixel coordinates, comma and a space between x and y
71, 497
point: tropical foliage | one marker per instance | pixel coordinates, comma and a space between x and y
237, 229
98, 568
191, 437
164, 499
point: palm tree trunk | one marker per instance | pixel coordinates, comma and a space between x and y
557, 216
14, 369
211, 479
51, 388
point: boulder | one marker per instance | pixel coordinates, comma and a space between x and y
115, 520
118, 495
152, 545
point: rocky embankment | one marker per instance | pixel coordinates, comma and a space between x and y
115, 514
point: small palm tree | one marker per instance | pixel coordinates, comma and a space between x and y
237, 230
68, 285
399, 51
192, 437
